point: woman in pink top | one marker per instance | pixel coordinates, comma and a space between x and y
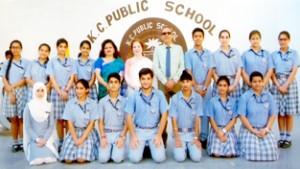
134, 64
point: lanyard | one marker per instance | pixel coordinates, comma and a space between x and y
257, 54
200, 54
19, 66
114, 105
224, 106
84, 63
286, 58
229, 55
149, 103
260, 99
188, 103
42, 65
65, 64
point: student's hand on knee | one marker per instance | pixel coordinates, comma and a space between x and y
135, 141
120, 143
157, 141
197, 143
103, 143
178, 143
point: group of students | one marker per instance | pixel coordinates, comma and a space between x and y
183, 80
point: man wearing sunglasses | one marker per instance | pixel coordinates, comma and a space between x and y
168, 63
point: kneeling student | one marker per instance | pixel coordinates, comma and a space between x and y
222, 115
185, 111
112, 125
146, 119
257, 111
82, 140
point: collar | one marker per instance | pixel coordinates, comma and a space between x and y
87, 101
107, 97
288, 51
193, 95
152, 92
263, 95
87, 62
219, 98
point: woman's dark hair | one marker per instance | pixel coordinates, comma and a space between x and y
8, 53
222, 31
254, 32
82, 43
60, 41
114, 75
102, 54
198, 30
286, 33
145, 71
185, 76
84, 82
223, 78
12, 57
255, 74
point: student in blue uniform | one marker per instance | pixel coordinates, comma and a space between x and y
197, 62
227, 62
257, 111
39, 133
112, 122
146, 119
85, 68
82, 140
285, 88
61, 70
185, 112
222, 115
12, 74
36, 70
256, 59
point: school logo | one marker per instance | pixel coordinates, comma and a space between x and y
148, 30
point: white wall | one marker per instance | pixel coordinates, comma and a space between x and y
37, 21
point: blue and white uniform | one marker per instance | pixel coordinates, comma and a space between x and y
186, 112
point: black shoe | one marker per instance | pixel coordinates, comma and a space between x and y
147, 152
21, 147
286, 144
15, 148
203, 144
280, 143
59, 149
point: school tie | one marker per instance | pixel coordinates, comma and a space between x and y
168, 62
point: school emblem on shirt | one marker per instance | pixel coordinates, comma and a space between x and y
148, 30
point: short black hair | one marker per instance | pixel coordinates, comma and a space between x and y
223, 78
198, 30
114, 75
84, 82
255, 74
145, 71
185, 76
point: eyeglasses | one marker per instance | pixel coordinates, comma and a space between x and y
283, 39
15, 47
166, 33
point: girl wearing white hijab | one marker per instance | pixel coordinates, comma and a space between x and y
39, 145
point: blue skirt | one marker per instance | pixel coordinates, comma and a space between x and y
88, 151
215, 146
258, 149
